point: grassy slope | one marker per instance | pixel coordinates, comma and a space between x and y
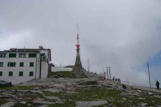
63, 74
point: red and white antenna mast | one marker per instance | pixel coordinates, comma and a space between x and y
78, 69
78, 44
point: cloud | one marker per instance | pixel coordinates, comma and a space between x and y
15, 40
121, 34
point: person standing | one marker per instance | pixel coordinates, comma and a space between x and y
157, 84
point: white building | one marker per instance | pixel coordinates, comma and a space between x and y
20, 65
61, 69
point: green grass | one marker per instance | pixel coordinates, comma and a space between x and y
149, 99
23, 105
65, 104
29, 96
153, 101
47, 93
113, 97
105, 105
3, 101
18, 88
118, 103
89, 83
88, 94
64, 74
92, 94
95, 93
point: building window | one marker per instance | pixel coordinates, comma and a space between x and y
10, 73
21, 73
1, 73
1, 64
21, 64
12, 55
2, 55
11, 64
32, 55
22, 55
31, 73
31, 64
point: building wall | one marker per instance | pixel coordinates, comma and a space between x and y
15, 79
44, 68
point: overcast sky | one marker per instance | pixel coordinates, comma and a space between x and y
123, 34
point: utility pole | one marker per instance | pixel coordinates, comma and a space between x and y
40, 65
107, 73
88, 65
149, 75
108, 70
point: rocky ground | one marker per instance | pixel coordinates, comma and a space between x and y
68, 92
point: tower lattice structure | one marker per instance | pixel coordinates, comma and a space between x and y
78, 69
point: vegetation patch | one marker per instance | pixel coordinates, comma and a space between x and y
95, 93
3, 101
143, 98
89, 83
90, 94
48, 93
29, 96
62, 74
118, 103
150, 100
18, 88
105, 105
65, 104
23, 105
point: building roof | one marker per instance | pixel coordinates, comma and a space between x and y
69, 66
29, 50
